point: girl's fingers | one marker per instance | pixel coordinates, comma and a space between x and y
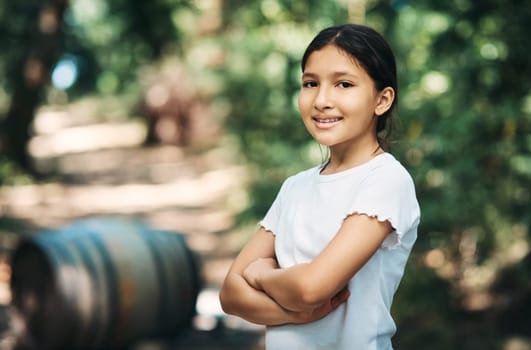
340, 298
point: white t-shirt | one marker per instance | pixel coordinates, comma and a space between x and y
308, 211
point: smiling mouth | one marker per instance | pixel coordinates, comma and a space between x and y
327, 120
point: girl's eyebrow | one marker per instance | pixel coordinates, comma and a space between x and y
334, 74
308, 75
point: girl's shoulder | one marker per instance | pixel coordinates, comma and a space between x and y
304, 175
390, 167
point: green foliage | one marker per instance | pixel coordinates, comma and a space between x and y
424, 309
16, 26
115, 38
10, 174
466, 106
466, 119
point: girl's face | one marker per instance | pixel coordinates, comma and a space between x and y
338, 101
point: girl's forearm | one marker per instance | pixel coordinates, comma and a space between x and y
240, 299
239, 295
294, 288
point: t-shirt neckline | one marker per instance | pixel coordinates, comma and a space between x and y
350, 171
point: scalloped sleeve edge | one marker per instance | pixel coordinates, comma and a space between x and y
394, 238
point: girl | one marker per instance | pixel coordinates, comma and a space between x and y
322, 269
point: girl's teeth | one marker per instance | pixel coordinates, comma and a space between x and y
332, 120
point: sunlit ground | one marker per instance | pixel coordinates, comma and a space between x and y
101, 169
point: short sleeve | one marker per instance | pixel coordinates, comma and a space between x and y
388, 194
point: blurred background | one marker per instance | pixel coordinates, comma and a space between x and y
183, 114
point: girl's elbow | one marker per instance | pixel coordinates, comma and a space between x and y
227, 300
312, 294
312, 298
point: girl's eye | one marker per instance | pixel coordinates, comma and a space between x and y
309, 84
345, 84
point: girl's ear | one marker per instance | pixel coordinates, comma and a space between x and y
385, 100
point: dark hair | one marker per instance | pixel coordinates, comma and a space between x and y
373, 53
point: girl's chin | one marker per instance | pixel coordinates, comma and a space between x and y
326, 143
324, 138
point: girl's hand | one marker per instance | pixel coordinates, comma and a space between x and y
256, 268
325, 309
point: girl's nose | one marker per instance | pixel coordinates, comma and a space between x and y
322, 99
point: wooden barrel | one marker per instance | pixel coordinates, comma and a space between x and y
104, 283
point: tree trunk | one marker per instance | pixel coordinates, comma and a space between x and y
32, 75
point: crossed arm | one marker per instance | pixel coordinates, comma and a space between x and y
258, 291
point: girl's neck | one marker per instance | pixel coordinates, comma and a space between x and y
341, 160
